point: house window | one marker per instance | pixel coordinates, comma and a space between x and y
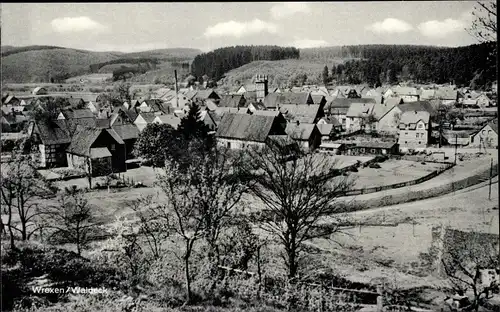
484, 132
113, 147
489, 131
419, 142
228, 144
417, 134
406, 142
372, 151
420, 126
406, 133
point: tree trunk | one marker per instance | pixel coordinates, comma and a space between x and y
187, 273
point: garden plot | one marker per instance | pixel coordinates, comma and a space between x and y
392, 171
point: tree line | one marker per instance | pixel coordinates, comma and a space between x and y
473, 65
215, 63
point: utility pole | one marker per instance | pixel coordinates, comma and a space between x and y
176, 90
456, 144
491, 173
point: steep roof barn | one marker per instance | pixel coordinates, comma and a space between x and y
246, 127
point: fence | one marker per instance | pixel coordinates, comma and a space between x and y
401, 184
427, 193
376, 300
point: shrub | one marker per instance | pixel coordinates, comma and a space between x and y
374, 165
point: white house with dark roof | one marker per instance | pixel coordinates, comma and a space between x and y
487, 136
358, 115
414, 130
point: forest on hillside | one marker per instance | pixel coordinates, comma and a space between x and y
215, 63
473, 65
470, 65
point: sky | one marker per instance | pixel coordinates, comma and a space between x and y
131, 27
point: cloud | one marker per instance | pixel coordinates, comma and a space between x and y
240, 29
309, 43
284, 10
390, 26
440, 29
76, 24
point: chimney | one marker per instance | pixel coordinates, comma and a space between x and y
176, 90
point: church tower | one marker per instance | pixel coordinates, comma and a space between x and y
261, 87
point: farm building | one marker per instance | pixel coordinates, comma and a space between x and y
52, 139
277, 100
307, 136
98, 152
129, 134
334, 148
232, 100
238, 131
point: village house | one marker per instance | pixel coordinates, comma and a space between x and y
144, 119
339, 107
414, 130
307, 136
129, 134
310, 114
232, 100
237, 131
386, 116
487, 136
329, 128
372, 148
98, 152
448, 96
52, 139
276, 100
358, 116
408, 94
171, 120
319, 99
75, 114
202, 95
483, 100
12, 100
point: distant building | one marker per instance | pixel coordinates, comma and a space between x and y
487, 136
39, 91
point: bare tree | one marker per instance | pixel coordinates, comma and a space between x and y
22, 187
153, 224
464, 261
297, 188
183, 211
72, 220
484, 26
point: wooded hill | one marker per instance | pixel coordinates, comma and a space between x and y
376, 64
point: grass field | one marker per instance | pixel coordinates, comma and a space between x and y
392, 171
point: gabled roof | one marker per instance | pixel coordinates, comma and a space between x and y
148, 117
303, 113
301, 131
78, 113
273, 100
317, 99
126, 131
412, 117
360, 109
346, 103
228, 100
84, 138
51, 132
325, 129
447, 94
380, 110
266, 113
399, 90
206, 94
424, 106
428, 94
172, 120
99, 152
245, 127
393, 100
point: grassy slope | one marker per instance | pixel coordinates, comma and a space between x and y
36, 66
278, 71
39, 64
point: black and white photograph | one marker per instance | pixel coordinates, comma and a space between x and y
249, 157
